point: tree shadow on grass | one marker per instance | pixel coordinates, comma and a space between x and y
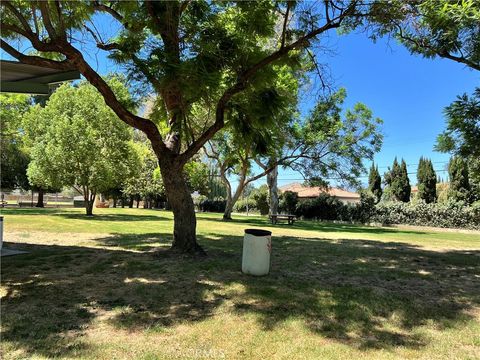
31, 211
366, 294
113, 217
312, 225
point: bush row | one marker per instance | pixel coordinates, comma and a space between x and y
212, 205
450, 214
326, 207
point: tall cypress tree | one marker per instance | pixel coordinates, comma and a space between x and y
459, 181
398, 181
375, 183
404, 186
427, 181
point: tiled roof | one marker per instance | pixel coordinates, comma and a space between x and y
314, 191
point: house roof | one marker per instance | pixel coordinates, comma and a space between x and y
314, 191
16, 77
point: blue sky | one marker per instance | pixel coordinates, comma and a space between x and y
407, 91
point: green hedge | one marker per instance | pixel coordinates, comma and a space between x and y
450, 214
445, 215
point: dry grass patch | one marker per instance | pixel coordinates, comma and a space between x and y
111, 294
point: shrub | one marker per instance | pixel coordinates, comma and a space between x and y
288, 202
213, 205
324, 207
451, 214
260, 196
363, 211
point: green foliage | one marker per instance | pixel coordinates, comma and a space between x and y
260, 196
463, 127
451, 214
13, 151
398, 182
375, 183
427, 181
197, 176
432, 28
327, 207
241, 205
81, 142
147, 182
208, 205
334, 143
323, 207
459, 180
288, 202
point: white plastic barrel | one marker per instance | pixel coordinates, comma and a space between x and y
257, 246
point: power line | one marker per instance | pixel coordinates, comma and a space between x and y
339, 178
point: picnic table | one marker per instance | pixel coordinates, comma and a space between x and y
275, 217
3, 203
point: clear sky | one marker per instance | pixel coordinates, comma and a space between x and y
407, 91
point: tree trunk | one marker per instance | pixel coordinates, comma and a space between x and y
114, 201
227, 214
180, 199
40, 199
272, 178
130, 203
89, 201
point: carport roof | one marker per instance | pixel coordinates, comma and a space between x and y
16, 77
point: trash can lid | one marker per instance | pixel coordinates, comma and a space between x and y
258, 232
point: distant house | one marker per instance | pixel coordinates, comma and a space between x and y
310, 192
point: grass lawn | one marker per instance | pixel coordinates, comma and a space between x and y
104, 288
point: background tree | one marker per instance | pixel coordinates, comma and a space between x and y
427, 181
459, 189
398, 182
329, 142
463, 126
375, 183
462, 135
13, 151
83, 144
332, 143
186, 52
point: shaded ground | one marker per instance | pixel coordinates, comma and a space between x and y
124, 296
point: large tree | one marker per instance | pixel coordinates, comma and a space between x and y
83, 145
186, 53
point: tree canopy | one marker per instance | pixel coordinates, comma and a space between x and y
82, 143
14, 155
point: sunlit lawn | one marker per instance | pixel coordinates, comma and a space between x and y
105, 288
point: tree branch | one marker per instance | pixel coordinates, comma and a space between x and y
36, 60
246, 76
